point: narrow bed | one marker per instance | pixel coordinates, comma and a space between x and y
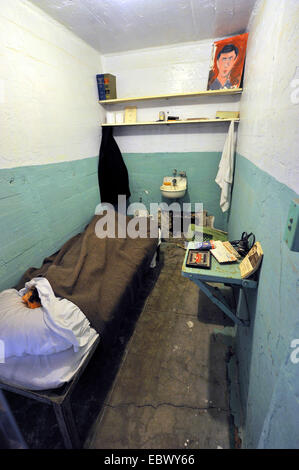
97, 274
85, 289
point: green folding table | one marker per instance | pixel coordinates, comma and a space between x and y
227, 274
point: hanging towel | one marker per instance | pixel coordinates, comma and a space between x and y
225, 173
112, 171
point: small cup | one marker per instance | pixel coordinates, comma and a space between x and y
119, 117
110, 117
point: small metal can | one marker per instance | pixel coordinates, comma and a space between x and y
161, 116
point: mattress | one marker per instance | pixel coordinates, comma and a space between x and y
42, 372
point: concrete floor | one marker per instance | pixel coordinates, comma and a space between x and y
171, 390
164, 383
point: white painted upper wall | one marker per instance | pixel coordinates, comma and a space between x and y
163, 70
269, 130
48, 97
49, 109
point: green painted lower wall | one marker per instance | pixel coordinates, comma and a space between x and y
40, 208
269, 381
146, 172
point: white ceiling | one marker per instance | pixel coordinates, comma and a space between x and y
121, 25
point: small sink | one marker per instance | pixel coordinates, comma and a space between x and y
174, 187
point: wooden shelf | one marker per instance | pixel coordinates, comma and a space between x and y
167, 123
231, 91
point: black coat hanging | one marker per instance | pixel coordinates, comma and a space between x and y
112, 171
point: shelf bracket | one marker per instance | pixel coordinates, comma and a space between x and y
218, 299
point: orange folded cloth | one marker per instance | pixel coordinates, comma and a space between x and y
31, 299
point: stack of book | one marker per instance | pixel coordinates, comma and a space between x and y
106, 86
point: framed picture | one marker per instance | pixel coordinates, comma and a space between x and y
228, 56
198, 259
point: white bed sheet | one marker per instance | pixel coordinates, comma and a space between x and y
42, 372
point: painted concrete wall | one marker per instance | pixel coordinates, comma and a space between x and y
268, 133
41, 207
180, 68
49, 110
146, 172
49, 114
265, 183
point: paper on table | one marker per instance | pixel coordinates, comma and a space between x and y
221, 254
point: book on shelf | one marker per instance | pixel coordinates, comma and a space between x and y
228, 114
106, 83
130, 114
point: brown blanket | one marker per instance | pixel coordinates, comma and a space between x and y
95, 274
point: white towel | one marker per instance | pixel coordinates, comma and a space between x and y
225, 173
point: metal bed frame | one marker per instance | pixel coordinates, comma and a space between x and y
60, 400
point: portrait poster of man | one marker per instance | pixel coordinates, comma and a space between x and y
227, 63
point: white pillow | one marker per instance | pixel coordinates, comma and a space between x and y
24, 331
60, 315
54, 327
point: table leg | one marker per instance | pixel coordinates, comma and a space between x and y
210, 292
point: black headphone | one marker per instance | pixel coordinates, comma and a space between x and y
245, 244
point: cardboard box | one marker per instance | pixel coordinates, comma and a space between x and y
106, 86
